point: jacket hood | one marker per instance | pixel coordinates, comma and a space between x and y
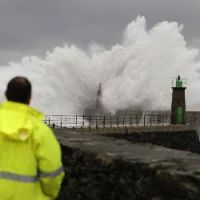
17, 120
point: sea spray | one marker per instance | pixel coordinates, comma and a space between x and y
136, 73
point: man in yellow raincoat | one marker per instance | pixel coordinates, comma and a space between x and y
30, 156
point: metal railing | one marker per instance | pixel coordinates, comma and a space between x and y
78, 121
193, 118
181, 83
119, 120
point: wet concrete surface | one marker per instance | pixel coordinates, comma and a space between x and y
99, 167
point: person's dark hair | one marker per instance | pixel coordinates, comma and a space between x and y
19, 90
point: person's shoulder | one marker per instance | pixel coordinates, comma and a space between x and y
38, 120
40, 126
42, 133
36, 114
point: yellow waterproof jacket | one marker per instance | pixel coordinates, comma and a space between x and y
30, 156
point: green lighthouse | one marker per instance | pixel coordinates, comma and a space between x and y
178, 107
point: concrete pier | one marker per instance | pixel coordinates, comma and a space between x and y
108, 168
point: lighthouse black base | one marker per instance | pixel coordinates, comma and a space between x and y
178, 107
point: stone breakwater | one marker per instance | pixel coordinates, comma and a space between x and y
107, 168
175, 137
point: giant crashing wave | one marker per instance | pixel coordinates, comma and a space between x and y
135, 73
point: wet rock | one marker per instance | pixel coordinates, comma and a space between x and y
187, 140
103, 168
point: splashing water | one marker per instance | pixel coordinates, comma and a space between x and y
135, 74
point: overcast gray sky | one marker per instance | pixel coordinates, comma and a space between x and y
31, 27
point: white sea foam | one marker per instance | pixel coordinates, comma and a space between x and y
136, 73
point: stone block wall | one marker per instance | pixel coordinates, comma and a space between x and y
187, 140
103, 168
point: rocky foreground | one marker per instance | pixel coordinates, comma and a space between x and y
107, 168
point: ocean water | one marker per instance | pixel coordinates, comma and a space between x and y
135, 73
